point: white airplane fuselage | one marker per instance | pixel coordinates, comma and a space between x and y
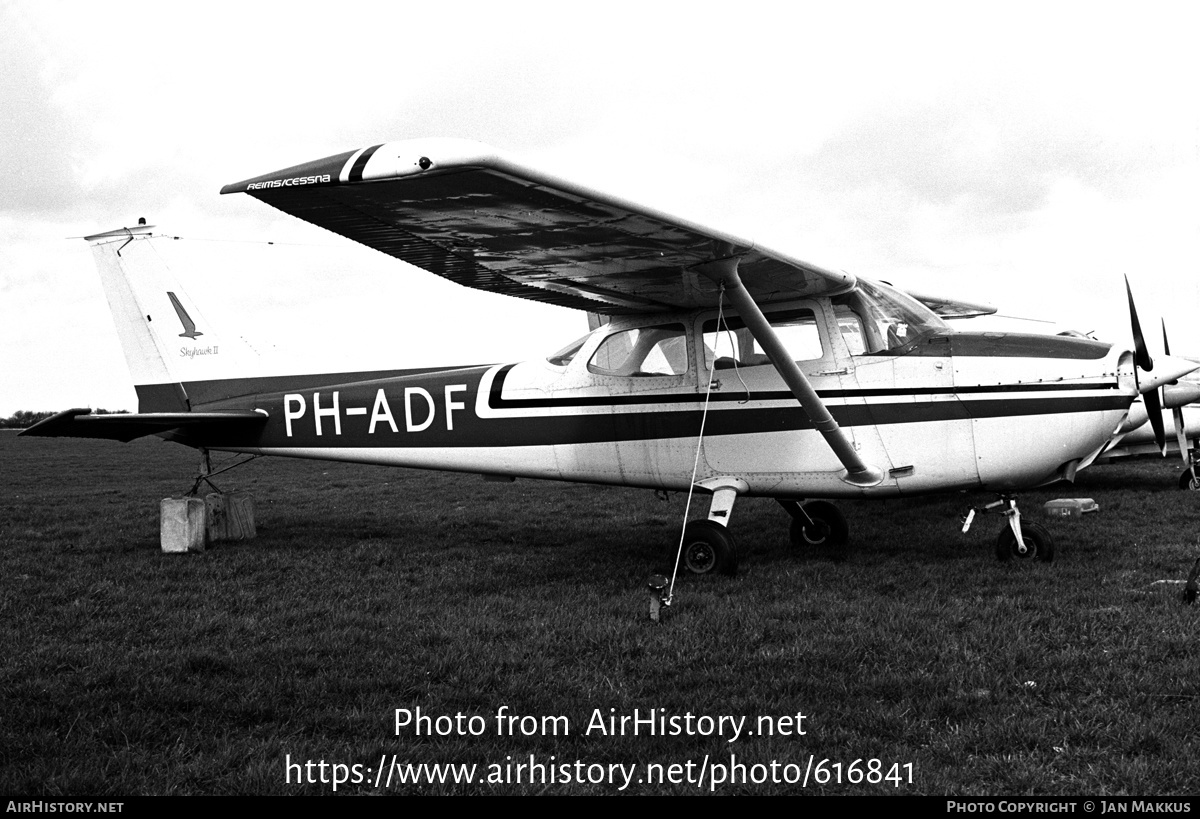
950, 411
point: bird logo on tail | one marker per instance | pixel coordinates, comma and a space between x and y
189, 326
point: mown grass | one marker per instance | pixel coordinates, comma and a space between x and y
124, 670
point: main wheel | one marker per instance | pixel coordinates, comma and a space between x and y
708, 548
1188, 479
1038, 543
827, 528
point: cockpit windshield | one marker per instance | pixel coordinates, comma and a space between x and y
875, 318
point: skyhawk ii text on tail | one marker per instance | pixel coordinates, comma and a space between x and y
725, 366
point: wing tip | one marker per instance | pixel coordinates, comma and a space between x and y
322, 171
384, 160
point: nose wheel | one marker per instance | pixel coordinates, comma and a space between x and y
1036, 544
1018, 539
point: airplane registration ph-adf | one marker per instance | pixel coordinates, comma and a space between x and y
724, 365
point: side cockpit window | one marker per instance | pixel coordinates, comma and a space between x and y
851, 325
645, 351
731, 345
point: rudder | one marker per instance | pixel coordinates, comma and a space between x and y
166, 340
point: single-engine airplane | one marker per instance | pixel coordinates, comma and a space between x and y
724, 366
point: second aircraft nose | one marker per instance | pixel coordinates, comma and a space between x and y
1166, 369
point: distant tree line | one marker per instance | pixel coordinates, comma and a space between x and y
22, 419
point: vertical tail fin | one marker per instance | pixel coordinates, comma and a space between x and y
168, 344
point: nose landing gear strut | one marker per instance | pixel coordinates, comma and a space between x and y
1017, 540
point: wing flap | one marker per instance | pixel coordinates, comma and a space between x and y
80, 423
460, 210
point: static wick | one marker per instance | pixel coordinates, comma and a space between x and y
658, 591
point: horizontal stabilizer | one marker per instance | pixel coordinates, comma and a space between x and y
80, 423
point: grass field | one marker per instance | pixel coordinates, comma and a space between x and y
126, 671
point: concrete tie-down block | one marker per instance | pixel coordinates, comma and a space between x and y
230, 516
182, 525
189, 524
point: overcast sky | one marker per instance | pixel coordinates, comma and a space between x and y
1029, 155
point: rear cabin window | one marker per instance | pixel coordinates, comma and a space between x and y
733, 345
645, 351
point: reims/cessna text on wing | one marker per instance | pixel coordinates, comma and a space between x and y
725, 365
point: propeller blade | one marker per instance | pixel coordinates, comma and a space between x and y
1154, 410
1181, 434
1176, 411
1141, 353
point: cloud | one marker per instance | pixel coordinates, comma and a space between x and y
956, 155
935, 139
41, 141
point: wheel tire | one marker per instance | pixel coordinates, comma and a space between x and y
1188, 480
828, 527
708, 548
1038, 544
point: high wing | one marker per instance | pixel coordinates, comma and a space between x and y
465, 212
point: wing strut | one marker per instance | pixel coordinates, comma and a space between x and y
725, 271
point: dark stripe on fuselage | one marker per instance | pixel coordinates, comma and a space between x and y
497, 401
440, 395
233, 393
452, 394
470, 431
